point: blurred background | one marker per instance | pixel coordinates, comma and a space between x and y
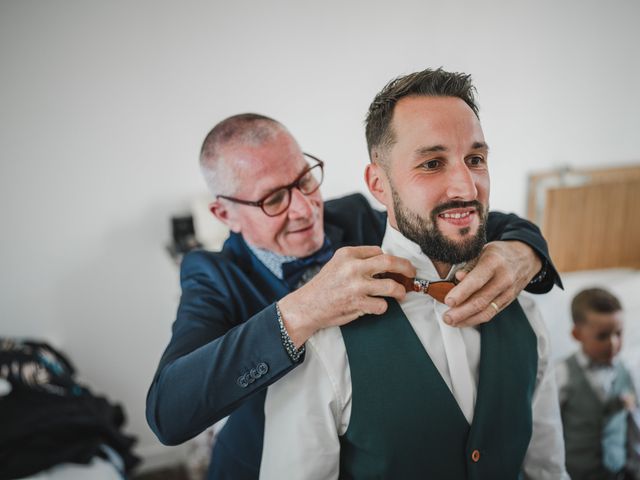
104, 105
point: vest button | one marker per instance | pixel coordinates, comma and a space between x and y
475, 455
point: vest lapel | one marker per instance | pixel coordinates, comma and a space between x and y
584, 382
397, 315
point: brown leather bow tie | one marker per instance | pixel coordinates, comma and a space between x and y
437, 289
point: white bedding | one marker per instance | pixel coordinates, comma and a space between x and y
556, 310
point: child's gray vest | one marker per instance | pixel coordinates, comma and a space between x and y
595, 432
406, 424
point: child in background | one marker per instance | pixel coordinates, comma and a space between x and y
597, 397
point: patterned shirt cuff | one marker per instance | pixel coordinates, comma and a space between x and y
287, 343
541, 274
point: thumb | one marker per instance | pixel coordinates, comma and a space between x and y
460, 274
466, 268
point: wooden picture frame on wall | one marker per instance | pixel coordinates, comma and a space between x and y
590, 218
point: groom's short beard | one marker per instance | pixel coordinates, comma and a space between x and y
432, 242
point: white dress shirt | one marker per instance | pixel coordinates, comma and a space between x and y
307, 410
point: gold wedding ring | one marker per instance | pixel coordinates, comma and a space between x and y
496, 308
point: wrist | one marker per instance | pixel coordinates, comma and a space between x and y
531, 258
294, 353
540, 276
297, 325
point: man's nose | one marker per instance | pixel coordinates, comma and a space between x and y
461, 183
300, 205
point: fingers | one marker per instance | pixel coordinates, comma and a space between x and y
477, 308
470, 265
389, 263
373, 305
362, 252
460, 274
486, 314
374, 261
348, 288
509, 262
472, 282
386, 288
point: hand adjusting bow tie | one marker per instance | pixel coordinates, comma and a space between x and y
292, 272
437, 289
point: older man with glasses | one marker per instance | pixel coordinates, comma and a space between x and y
291, 266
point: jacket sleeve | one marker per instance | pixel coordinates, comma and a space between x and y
503, 226
219, 354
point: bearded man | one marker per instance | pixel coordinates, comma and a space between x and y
403, 394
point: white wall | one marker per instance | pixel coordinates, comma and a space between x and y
103, 106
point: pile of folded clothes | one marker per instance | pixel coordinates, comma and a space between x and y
47, 418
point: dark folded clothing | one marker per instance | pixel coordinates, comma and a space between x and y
48, 418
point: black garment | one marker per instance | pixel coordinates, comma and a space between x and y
48, 418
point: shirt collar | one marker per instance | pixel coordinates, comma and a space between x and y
273, 261
586, 363
395, 243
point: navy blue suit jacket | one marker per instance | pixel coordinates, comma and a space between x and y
226, 347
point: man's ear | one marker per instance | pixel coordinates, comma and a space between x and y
226, 214
378, 183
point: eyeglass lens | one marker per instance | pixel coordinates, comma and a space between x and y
278, 201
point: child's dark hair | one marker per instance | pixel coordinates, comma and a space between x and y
593, 300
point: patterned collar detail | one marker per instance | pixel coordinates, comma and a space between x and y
273, 261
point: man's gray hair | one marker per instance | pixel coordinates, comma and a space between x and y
250, 129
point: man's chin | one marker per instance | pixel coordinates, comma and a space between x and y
458, 234
455, 246
306, 247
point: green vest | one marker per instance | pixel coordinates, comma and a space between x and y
595, 432
405, 422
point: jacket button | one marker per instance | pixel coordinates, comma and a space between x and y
242, 381
263, 368
475, 456
254, 374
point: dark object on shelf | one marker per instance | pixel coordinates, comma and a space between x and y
184, 234
184, 237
